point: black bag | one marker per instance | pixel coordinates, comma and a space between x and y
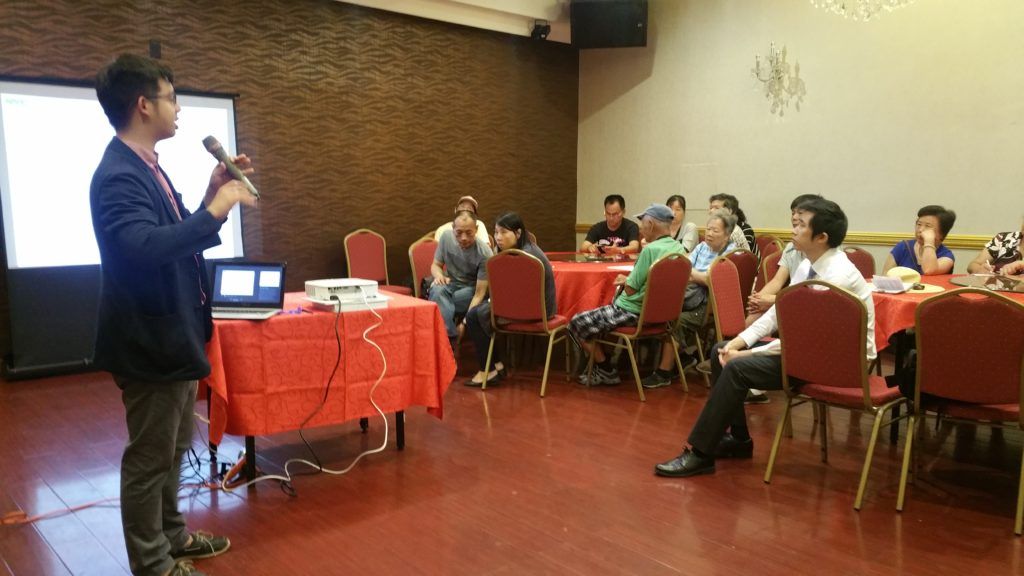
695, 297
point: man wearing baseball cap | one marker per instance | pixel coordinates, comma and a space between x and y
625, 309
467, 203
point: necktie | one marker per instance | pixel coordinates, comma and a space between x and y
812, 274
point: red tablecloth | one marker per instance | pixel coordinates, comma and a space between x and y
581, 286
895, 312
269, 376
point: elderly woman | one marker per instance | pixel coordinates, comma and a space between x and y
684, 232
509, 232
742, 235
925, 253
716, 242
1002, 254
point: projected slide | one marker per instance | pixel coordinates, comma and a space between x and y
51, 140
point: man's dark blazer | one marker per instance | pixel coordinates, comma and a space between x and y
153, 324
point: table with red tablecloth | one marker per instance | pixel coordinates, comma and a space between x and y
269, 376
581, 286
894, 313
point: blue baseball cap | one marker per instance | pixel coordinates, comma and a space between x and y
656, 211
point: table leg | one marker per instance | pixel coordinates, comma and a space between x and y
400, 429
364, 424
250, 459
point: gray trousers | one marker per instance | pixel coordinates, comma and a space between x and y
159, 418
730, 384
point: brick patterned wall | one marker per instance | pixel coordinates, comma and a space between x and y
354, 117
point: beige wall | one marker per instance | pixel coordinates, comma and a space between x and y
924, 105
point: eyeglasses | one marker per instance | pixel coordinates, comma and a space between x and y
172, 97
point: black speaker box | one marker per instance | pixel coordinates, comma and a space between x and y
608, 23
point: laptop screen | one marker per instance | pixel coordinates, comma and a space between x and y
248, 285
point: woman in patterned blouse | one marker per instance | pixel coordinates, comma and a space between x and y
1002, 254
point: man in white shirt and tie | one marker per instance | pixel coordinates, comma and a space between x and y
819, 228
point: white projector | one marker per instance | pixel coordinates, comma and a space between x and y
344, 289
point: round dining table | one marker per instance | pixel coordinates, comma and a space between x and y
895, 313
583, 281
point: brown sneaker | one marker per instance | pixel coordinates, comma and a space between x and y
203, 545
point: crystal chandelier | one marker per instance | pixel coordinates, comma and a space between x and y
779, 85
860, 10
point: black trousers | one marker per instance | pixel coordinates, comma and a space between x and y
724, 407
478, 326
159, 418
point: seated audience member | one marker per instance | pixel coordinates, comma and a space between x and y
764, 299
721, 429
925, 253
460, 272
466, 203
716, 243
614, 235
743, 234
625, 309
683, 232
509, 232
1002, 254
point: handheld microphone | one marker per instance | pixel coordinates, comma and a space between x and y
214, 147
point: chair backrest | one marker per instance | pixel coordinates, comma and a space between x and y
726, 300
746, 267
767, 244
421, 256
823, 329
862, 259
970, 347
767, 270
666, 288
516, 282
366, 255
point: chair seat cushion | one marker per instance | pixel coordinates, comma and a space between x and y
852, 397
649, 330
404, 290
954, 409
554, 322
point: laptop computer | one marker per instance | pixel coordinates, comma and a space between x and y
247, 290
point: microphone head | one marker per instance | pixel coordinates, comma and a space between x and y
211, 144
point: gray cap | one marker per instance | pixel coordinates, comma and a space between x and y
656, 211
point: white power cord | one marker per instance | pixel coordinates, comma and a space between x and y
287, 477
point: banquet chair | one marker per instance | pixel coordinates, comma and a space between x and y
746, 267
970, 367
767, 270
726, 302
366, 257
659, 312
421, 256
767, 244
824, 363
519, 305
862, 259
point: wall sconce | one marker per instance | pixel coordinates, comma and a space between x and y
779, 85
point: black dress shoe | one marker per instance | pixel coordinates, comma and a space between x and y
730, 447
687, 464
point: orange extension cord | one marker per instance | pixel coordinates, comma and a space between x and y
19, 517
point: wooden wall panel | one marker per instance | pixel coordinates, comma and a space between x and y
354, 117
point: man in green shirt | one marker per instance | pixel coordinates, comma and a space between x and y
625, 308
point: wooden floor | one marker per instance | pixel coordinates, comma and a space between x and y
509, 483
